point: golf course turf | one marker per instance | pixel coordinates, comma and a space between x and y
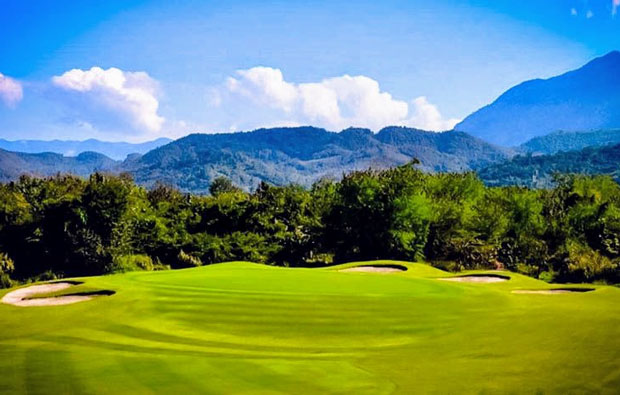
247, 328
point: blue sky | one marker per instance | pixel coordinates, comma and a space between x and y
135, 70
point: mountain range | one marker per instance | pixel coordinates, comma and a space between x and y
303, 155
569, 123
14, 164
581, 100
114, 150
300, 155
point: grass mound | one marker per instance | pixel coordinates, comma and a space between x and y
246, 328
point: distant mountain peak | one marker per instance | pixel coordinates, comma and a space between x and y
608, 63
114, 150
587, 98
612, 56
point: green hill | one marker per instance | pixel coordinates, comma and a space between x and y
247, 328
570, 141
538, 171
303, 155
14, 164
279, 156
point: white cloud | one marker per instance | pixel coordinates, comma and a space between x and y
589, 14
614, 7
334, 103
425, 115
265, 85
11, 91
573, 11
131, 95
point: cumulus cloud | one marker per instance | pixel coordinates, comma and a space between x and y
334, 103
264, 85
11, 91
425, 115
573, 11
129, 95
614, 7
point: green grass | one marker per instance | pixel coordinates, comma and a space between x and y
247, 328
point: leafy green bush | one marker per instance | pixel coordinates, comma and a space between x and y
222, 185
6, 264
157, 265
187, 260
47, 275
130, 263
5, 281
588, 264
546, 276
471, 254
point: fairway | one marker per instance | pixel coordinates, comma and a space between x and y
247, 328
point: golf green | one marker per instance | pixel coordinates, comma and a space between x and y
247, 328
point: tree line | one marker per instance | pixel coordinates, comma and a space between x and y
65, 226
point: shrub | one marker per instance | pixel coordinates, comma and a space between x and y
470, 254
130, 263
47, 275
588, 264
448, 266
187, 260
546, 276
6, 264
5, 281
157, 265
222, 185
321, 259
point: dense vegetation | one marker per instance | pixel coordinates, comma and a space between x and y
539, 171
562, 141
68, 226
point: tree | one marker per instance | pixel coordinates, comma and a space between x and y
222, 185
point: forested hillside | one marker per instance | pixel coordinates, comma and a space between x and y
538, 171
15, 164
570, 141
304, 155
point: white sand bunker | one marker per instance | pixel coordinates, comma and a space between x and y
376, 269
478, 278
555, 291
26, 296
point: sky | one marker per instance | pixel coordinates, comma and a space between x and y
135, 70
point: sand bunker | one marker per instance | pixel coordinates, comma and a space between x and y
26, 296
376, 269
478, 278
554, 291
